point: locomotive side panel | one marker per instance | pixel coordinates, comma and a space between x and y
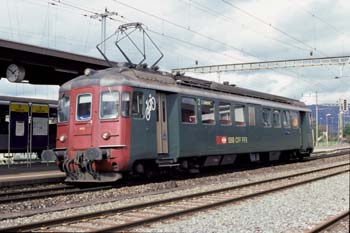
173, 125
143, 144
247, 129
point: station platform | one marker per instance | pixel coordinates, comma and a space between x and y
21, 174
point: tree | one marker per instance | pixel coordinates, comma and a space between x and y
346, 132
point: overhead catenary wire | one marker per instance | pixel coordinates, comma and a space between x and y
80, 8
168, 36
186, 29
171, 23
162, 34
277, 29
272, 26
226, 18
189, 43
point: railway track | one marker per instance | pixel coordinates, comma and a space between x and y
329, 223
328, 154
135, 215
31, 194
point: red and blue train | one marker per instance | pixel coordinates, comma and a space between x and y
130, 119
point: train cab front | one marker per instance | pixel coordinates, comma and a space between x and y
93, 133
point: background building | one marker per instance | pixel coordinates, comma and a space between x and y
329, 114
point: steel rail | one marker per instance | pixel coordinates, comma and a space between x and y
328, 154
37, 194
329, 222
345, 149
29, 191
95, 215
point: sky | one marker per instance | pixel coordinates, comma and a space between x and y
209, 32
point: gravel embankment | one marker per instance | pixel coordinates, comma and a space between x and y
293, 210
137, 194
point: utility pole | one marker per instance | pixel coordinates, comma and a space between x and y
102, 17
316, 119
340, 121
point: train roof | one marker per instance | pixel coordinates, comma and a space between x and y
146, 78
7, 99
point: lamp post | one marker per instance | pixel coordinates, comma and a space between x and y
327, 115
332, 126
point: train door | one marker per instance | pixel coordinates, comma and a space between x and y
306, 130
82, 106
162, 124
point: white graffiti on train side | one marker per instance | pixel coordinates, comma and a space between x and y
150, 106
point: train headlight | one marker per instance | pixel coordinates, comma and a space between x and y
106, 135
62, 138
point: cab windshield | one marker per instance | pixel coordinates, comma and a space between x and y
109, 105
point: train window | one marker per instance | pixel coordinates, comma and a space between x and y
208, 116
225, 113
188, 110
137, 105
63, 109
286, 119
109, 102
84, 107
126, 104
266, 117
239, 116
276, 119
251, 114
295, 120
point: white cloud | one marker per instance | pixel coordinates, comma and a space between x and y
62, 27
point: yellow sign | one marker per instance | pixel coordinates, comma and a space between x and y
40, 108
18, 107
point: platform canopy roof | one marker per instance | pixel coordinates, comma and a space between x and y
44, 65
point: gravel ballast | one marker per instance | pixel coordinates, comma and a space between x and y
293, 210
140, 193
59, 202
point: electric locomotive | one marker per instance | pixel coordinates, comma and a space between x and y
128, 119
135, 119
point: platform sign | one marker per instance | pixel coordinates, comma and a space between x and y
39, 126
19, 113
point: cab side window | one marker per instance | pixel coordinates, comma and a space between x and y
266, 117
295, 120
137, 105
225, 113
239, 116
126, 104
276, 119
251, 115
208, 116
286, 119
188, 110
